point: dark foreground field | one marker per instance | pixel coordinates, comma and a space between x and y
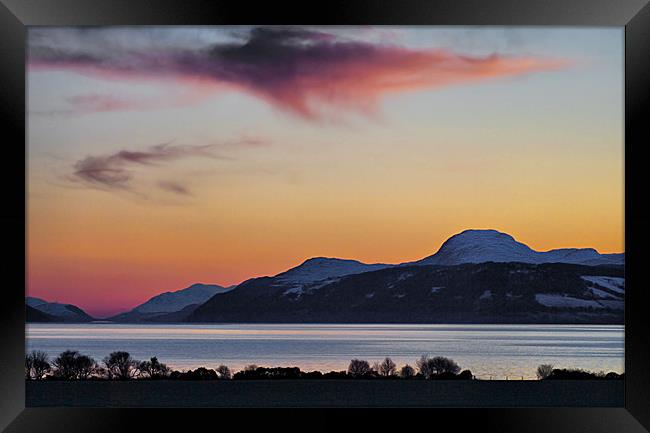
327, 393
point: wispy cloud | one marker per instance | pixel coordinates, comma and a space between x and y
174, 187
302, 71
115, 172
100, 103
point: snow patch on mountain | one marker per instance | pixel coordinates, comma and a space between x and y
614, 284
404, 275
486, 295
561, 301
294, 291
601, 294
322, 283
615, 304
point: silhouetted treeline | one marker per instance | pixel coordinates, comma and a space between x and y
547, 372
71, 365
120, 365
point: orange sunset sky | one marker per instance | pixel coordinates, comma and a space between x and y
161, 157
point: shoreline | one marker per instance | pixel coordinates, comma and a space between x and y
325, 393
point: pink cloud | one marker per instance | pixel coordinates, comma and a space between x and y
300, 71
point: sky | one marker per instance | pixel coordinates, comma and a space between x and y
159, 157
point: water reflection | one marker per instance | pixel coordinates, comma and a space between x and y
488, 350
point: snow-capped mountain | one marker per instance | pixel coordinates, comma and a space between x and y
477, 276
321, 268
469, 246
480, 246
169, 302
171, 306
492, 292
60, 312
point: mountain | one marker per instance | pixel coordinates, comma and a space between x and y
321, 268
36, 316
54, 311
479, 246
171, 306
468, 293
169, 302
476, 276
33, 302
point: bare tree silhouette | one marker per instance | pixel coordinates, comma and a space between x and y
120, 365
387, 368
429, 367
359, 368
154, 369
224, 372
73, 365
544, 371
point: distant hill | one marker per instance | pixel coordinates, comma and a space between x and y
39, 310
171, 306
35, 316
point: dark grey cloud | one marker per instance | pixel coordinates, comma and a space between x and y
295, 69
115, 171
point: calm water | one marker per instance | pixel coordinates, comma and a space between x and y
487, 350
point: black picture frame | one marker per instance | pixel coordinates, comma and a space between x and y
15, 15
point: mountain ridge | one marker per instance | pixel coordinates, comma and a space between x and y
471, 246
490, 292
55, 311
312, 290
468, 246
170, 304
